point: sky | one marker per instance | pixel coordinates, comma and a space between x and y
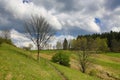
68, 17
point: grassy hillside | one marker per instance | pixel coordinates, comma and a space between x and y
109, 63
18, 64
104, 65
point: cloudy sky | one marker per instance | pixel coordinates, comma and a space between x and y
69, 17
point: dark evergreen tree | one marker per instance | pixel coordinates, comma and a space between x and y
65, 44
115, 46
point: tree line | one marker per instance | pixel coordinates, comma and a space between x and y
109, 41
5, 37
112, 38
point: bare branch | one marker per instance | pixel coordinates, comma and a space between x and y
39, 31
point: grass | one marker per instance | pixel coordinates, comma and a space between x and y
72, 74
109, 62
14, 65
103, 63
117, 55
18, 64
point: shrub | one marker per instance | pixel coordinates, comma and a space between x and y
61, 58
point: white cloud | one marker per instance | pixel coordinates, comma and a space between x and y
20, 10
65, 14
111, 20
62, 14
90, 25
60, 39
20, 40
116, 29
79, 20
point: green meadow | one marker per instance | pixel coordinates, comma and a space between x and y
102, 65
19, 64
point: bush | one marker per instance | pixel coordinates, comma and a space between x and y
61, 58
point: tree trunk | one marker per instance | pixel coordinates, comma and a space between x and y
83, 64
38, 53
83, 69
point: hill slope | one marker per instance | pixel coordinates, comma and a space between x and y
17, 64
103, 65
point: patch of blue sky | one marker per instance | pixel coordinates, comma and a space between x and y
97, 20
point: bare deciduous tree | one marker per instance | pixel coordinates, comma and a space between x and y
39, 31
83, 60
58, 45
5, 34
83, 54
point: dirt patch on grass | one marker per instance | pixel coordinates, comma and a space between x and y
101, 72
8, 76
74, 64
46, 56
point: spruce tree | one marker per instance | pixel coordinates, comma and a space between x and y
65, 44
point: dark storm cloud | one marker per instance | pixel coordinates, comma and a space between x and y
73, 31
9, 21
112, 4
48, 4
69, 5
59, 5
